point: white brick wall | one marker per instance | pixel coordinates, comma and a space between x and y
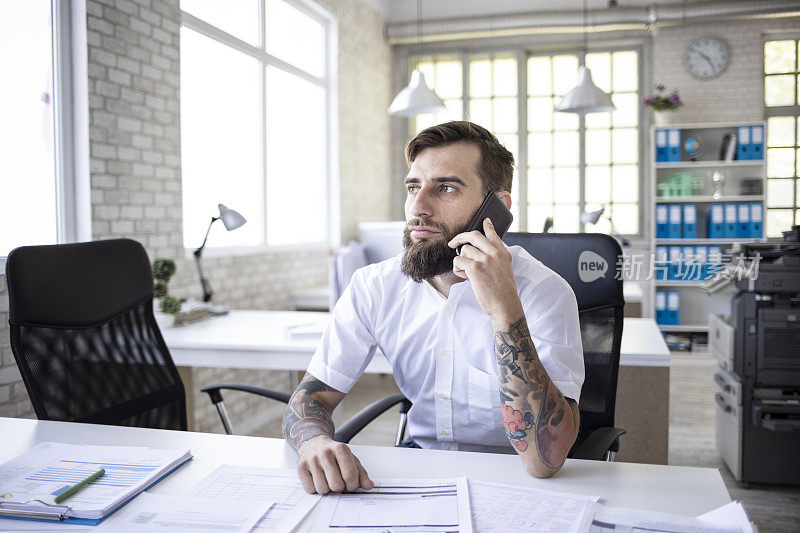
134, 103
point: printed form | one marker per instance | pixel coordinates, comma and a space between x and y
399, 506
500, 508
251, 484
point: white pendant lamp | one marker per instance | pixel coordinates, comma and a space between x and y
585, 97
417, 97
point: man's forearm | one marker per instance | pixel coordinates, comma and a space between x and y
538, 419
306, 416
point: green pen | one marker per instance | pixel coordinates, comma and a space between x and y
78, 486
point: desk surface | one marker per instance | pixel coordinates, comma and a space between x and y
683, 490
258, 340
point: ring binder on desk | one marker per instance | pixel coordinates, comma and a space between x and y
10, 512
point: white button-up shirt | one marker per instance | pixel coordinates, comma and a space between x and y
442, 349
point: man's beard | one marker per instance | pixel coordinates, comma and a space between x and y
428, 257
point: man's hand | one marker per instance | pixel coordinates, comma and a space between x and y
486, 262
326, 465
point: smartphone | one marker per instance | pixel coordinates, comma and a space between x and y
494, 209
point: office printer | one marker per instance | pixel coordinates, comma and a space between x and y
758, 355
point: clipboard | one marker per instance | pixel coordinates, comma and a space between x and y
59, 512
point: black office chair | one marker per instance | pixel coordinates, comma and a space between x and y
600, 312
86, 342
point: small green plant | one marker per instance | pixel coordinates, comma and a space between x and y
163, 270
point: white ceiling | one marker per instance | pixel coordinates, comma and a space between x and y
394, 11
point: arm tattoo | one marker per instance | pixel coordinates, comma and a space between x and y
306, 416
532, 406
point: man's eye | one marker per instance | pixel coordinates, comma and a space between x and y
448, 188
412, 188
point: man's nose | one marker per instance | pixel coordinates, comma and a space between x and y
421, 205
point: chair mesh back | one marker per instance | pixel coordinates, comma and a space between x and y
600, 312
110, 370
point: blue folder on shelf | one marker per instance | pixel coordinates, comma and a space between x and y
661, 146
673, 307
743, 227
673, 145
660, 261
714, 259
716, 221
701, 254
675, 262
661, 307
757, 142
690, 271
675, 218
730, 221
756, 220
689, 221
743, 143
662, 221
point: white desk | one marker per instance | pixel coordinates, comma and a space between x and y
683, 490
257, 340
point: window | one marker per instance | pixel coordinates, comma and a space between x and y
256, 120
782, 103
571, 164
31, 207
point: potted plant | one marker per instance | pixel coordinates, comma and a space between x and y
661, 102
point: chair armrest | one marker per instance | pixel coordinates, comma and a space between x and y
216, 396
598, 443
349, 429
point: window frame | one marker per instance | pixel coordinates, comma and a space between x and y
782, 111
522, 54
328, 82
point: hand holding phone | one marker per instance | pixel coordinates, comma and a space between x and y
495, 210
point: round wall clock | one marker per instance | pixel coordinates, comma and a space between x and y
706, 58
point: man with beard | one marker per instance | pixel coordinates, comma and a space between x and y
486, 343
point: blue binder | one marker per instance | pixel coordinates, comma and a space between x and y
701, 254
673, 145
675, 218
730, 221
757, 142
673, 307
661, 307
661, 146
675, 262
662, 221
743, 143
661, 265
714, 259
756, 220
716, 221
689, 221
743, 227
688, 272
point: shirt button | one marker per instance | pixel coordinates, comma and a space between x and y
444, 432
443, 396
444, 350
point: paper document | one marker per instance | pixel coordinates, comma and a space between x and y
606, 519
184, 514
50, 468
251, 484
399, 506
13, 524
732, 514
503, 508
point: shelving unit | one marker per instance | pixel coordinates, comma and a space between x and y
695, 304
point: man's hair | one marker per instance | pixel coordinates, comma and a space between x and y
496, 165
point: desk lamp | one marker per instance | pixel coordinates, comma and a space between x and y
592, 217
232, 220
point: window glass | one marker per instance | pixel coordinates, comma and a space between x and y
221, 145
445, 77
780, 56
237, 17
28, 212
779, 90
295, 37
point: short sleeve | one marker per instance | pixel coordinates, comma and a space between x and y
552, 315
348, 344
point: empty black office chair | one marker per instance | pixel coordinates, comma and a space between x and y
600, 311
86, 342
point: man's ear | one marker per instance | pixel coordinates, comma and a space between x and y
505, 196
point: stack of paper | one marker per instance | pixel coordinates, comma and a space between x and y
50, 468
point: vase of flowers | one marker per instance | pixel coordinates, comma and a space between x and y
662, 102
